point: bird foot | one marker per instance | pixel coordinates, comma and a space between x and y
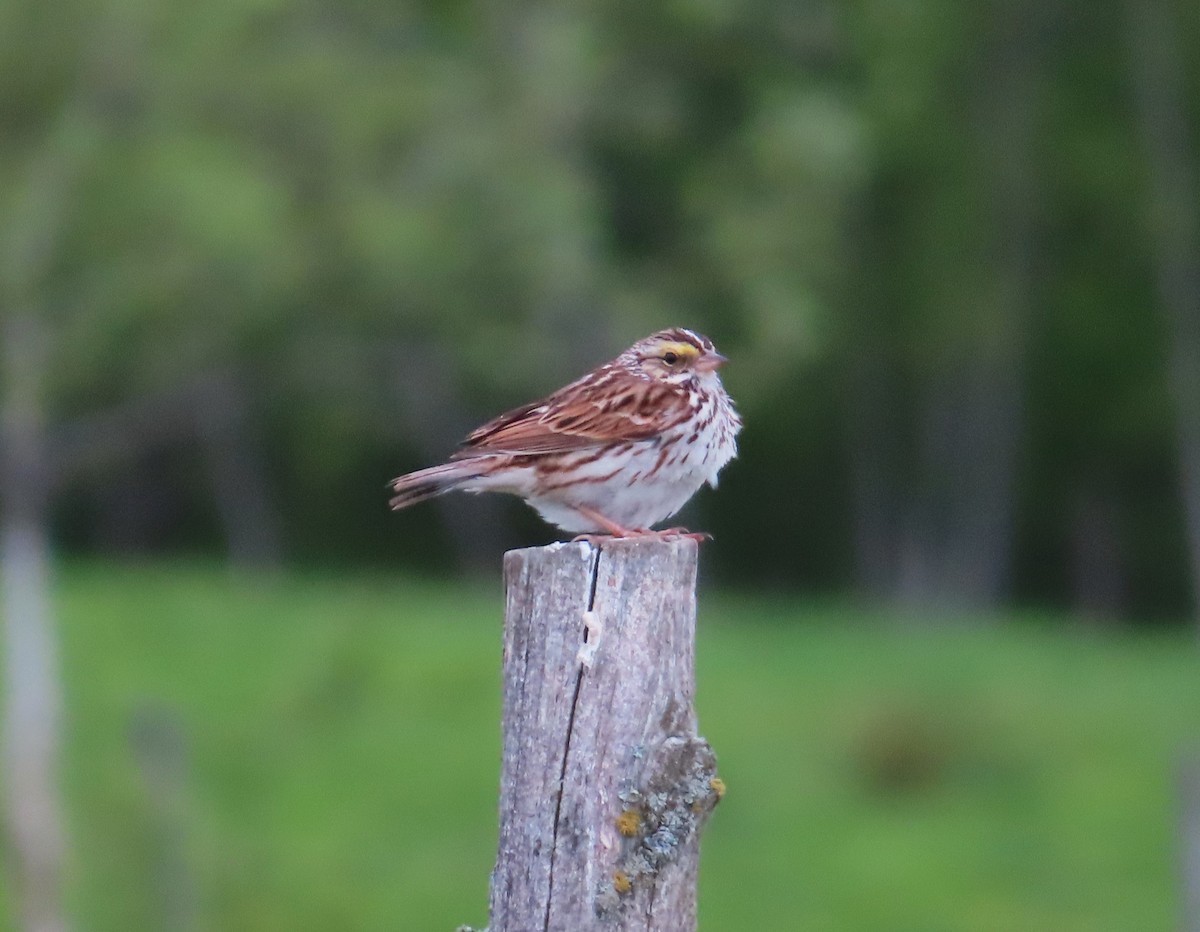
625, 534
617, 531
670, 533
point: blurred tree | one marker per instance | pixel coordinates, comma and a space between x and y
939, 340
1172, 163
307, 247
32, 692
40, 169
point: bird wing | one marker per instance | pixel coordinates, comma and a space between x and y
606, 406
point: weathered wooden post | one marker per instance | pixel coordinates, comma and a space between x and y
605, 784
1189, 842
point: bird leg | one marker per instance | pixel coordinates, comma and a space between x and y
611, 527
616, 530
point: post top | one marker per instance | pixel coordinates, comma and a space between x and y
624, 545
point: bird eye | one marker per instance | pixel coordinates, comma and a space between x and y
670, 358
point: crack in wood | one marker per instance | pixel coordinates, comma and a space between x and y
579, 672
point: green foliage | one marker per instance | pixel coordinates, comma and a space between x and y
398, 219
339, 744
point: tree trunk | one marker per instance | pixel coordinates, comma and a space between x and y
935, 490
604, 783
237, 462
434, 421
32, 699
1160, 87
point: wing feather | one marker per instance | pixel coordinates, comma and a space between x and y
609, 405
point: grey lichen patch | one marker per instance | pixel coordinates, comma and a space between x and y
608, 901
680, 789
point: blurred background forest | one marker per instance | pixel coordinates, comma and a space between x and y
276, 253
257, 258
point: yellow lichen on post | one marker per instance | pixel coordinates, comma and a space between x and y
629, 822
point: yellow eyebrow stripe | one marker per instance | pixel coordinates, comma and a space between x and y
679, 349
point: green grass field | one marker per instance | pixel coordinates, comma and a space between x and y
321, 753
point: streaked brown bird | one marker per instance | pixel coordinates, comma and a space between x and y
615, 452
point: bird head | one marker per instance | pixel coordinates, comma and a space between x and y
676, 355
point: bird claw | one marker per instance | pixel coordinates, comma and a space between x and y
666, 534
670, 533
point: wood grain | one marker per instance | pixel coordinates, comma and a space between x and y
604, 782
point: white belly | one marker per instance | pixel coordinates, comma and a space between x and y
637, 486
626, 498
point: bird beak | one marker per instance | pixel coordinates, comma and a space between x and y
710, 362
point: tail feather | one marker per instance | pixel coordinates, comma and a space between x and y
428, 483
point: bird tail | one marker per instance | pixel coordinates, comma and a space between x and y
436, 480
